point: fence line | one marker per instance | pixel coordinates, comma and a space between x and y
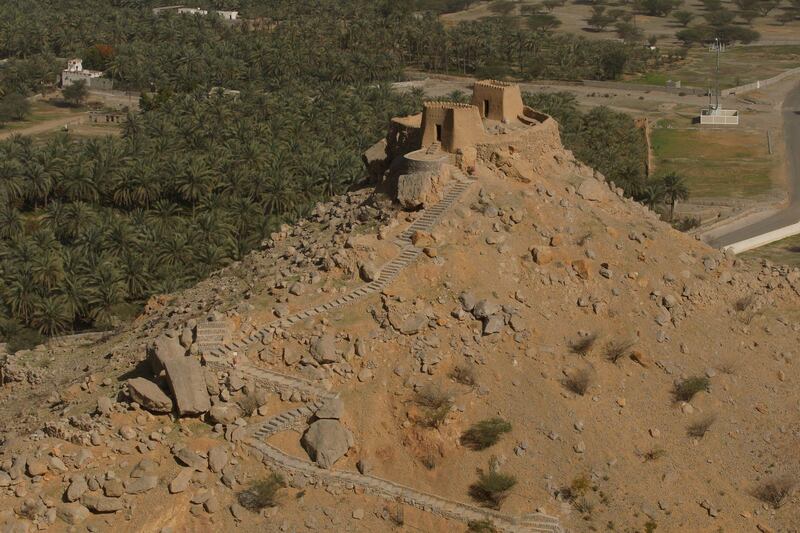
760, 83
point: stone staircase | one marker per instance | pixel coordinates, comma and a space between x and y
294, 418
297, 418
278, 382
529, 523
388, 273
211, 336
430, 217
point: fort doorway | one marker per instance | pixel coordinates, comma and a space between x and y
439, 133
486, 108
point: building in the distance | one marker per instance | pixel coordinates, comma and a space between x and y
75, 72
228, 15
192, 11
183, 10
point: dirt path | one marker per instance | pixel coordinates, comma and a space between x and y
45, 126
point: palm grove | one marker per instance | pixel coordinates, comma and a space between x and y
89, 228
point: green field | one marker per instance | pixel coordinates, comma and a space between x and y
786, 252
716, 163
738, 65
41, 111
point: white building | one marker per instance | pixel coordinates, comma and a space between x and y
75, 72
716, 116
183, 10
228, 15
192, 11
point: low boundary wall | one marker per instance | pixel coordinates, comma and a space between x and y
764, 239
760, 83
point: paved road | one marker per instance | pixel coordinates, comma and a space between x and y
790, 214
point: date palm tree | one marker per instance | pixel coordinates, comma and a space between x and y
675, 189
12, 186
194, 182
51, 315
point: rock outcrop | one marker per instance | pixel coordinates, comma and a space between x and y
327, 441
149, 395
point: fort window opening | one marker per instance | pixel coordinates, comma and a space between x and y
439, 132
486, 108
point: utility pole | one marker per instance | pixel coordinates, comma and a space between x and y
716, 81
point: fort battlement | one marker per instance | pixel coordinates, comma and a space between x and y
454, 125
498, 100
496, 84
496, 110
445, 105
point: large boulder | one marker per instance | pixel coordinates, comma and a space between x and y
323, 350
333, 409
102, 504
326, 441
224, 414
164, 348
149, 395
188, 385
420, 189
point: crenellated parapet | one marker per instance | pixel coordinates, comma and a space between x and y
498, 100
455, 126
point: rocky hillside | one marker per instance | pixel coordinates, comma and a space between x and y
398, 370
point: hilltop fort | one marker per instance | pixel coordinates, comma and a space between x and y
504, 341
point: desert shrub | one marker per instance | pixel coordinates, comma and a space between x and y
686, 389
687, 223
481, 526
775, 491
464, 374
575, 489
654, 455
262, 494
429, 460
491, 488
744, 303
700, 428
583, 345
485, 433
617, 349
578, 381
436, 403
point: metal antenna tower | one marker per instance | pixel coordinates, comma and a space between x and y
716, 78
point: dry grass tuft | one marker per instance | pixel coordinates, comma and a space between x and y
744, 303
481, 526
579, 381
686, 389
699, 428
262, 494
775, 491
583, 345
654, 455
615, 350
492, 488
437, 404
485, 433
